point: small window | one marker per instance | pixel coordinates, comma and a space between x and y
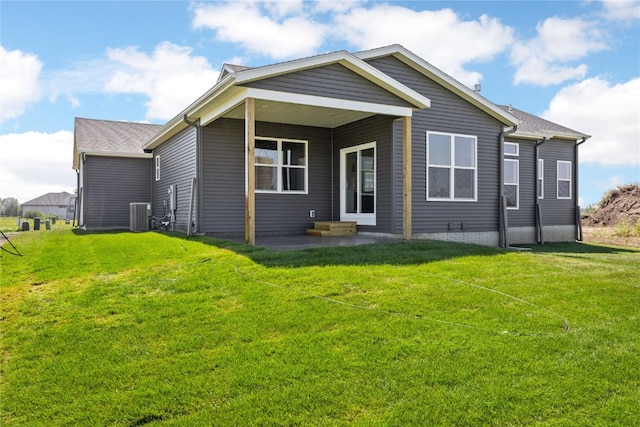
281, 165
540, 178
157, 168
511, 149
512, 183
564, 179
451, 167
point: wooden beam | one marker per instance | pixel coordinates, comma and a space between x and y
406, 178
250, 184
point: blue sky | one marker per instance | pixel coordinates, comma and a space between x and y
576, 63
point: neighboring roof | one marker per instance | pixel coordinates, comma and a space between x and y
110, 137
50, 199
440, 77
228, 93
535, 127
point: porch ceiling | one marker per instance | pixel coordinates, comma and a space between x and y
297, 114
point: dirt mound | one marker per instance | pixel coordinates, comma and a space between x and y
620, 205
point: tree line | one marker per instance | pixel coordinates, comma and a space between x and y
9, 206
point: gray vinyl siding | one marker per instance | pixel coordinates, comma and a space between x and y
449, 114
177, 167
524, 216
558, 211
333, 81
224, 175
380, 130
110, 184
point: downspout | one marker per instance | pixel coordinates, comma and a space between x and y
76, 210
538, 213
578, 214
502, 204
195, 227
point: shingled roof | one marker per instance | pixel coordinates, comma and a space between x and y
50, 199
107, 136
536, 126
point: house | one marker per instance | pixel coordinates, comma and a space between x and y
380, 137
60, 205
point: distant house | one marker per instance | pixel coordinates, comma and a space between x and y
380, 137
60, 205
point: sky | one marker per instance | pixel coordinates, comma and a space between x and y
576, 63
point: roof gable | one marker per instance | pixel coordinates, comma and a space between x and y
232, 89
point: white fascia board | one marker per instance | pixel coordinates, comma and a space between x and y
319, 101
548, 135
225, 103
345, 59
419, 64
118, 154
177, 124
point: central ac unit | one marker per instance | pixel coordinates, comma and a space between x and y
139, 216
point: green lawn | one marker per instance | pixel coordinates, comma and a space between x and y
125, 329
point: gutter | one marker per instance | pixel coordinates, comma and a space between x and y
538, 212
502, 203
578, 214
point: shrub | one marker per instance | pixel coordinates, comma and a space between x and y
33, 214
623, 229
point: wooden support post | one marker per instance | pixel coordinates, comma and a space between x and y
250, 184
406, 178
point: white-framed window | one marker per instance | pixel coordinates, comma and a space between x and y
281, 165
540, 184
511, 149
452, 169
512, 183
157, 168
564, 179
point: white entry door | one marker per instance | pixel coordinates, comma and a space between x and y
358, 184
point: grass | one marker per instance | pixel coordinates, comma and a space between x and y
155, 329
10, 224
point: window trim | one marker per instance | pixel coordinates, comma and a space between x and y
279, 166
558, 179
512, 144
516, 183
540, 179
158, 168
452, 168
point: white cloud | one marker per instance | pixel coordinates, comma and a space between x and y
18, 82
171, 77
609, 113
336, 5
545, 60
272, 29
441, 37
621, 10
36, 163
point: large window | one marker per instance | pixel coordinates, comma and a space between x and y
451, 167
564, 179
512, 183
281, 165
